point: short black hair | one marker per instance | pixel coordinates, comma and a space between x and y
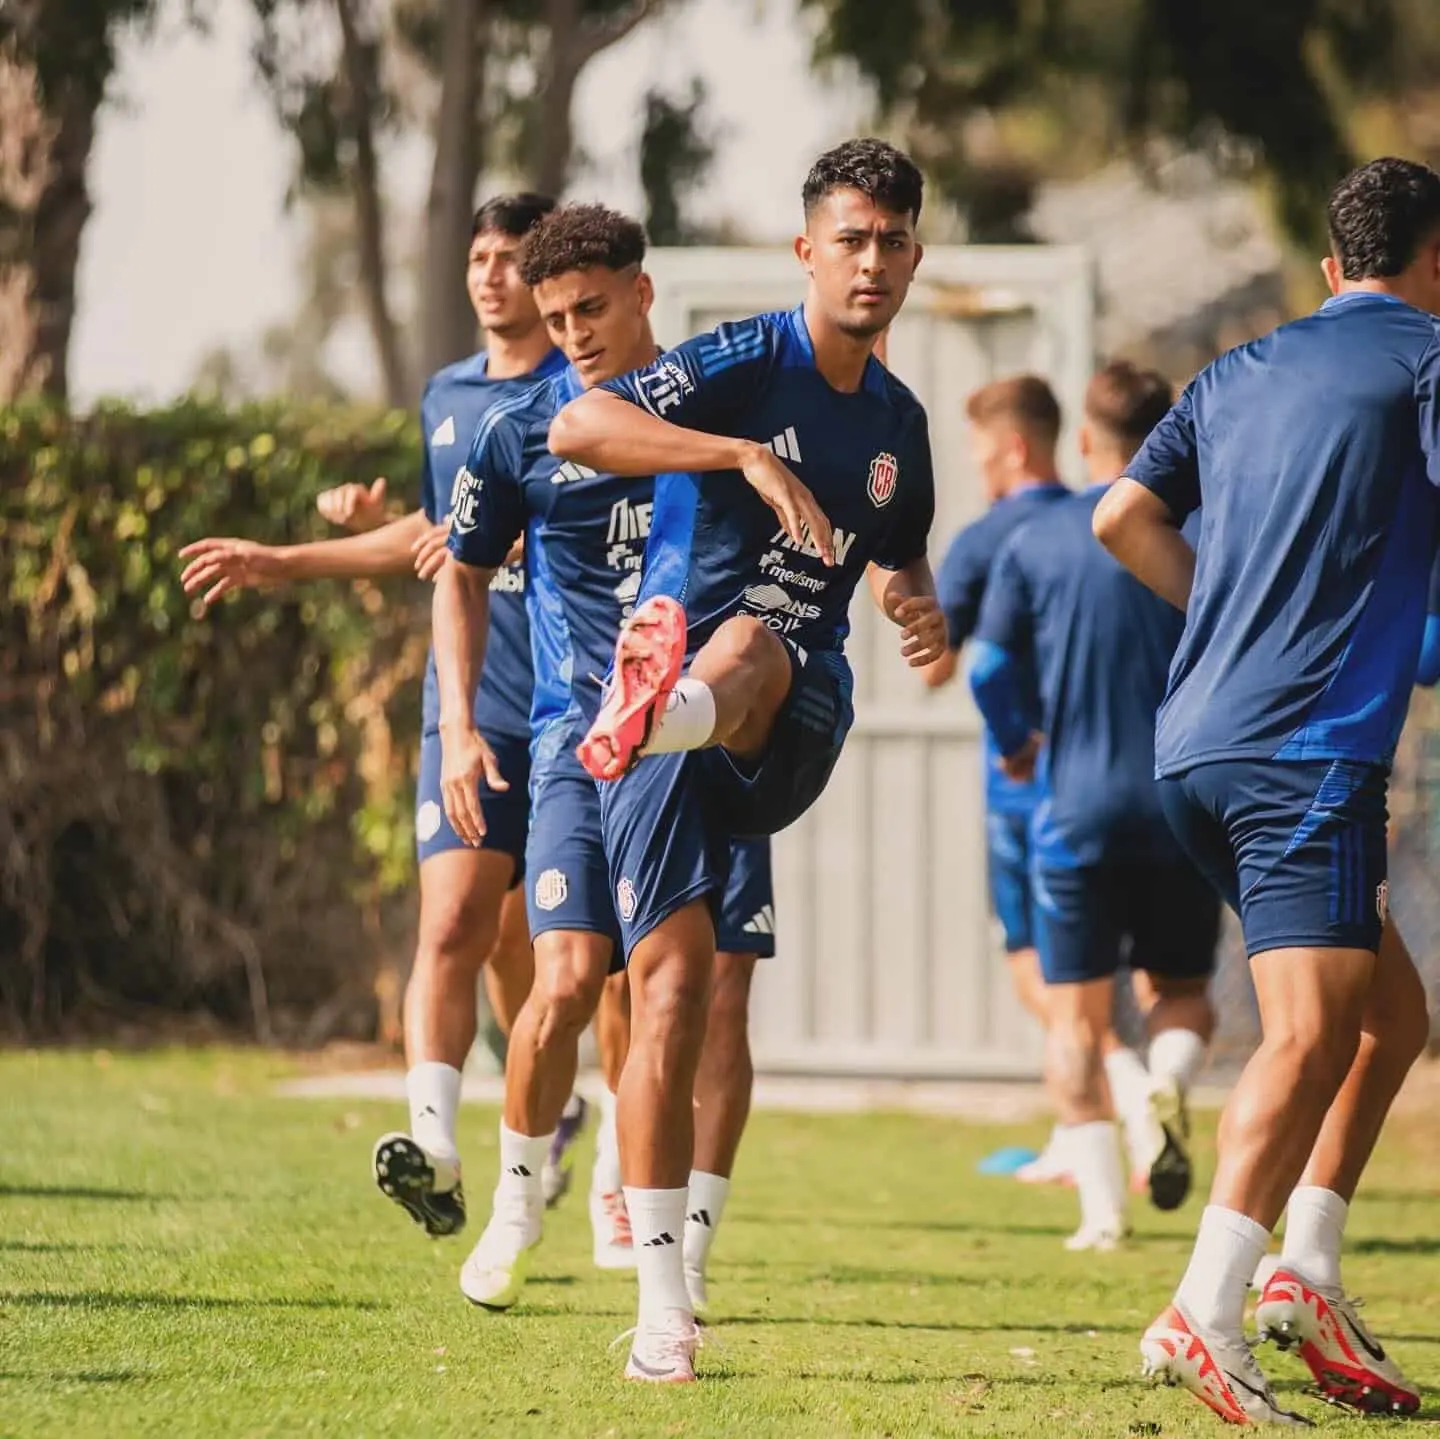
1128, 402
514, 215
581, 237
1380, 214
874, 167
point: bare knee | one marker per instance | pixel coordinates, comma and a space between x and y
671, 1000
1310, 1060
569, 979
456, 935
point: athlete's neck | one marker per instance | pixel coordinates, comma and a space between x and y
507, 357
643, 353
840, 357
1398, 287
1034, 481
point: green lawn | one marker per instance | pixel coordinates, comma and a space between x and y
181, 1253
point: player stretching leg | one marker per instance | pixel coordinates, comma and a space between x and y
461, 889
584, 537
1312, 455
746, 740
1061, 614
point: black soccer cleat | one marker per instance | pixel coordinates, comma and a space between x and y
404, 1173
1170, 1171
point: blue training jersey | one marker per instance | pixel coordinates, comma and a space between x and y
1313, 455
716, 546
1101, 646
960, 584
584, 543
456, 400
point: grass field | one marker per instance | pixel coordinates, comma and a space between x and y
181, 1253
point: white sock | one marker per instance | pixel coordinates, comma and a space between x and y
688, 721
708, 1193
1129, 1085
606, 1176
434, 1093
657, 1220
1094, 1159
522, 1158
1314, 1230
1177, 1055
1227, 1249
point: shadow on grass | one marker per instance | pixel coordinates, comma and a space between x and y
44, 1299
32, 1246
83, 1376
1415, 1244
980, 1229
829, 1322
76, 1191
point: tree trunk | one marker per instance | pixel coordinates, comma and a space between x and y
44, 205
369, 212
563, 63
447, 323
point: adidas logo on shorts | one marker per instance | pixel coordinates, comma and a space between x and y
551, 889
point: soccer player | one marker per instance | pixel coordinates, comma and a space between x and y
462, 887
1106, 868
584, 536
744, 743
1312, 455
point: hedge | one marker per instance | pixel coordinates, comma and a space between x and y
203, 812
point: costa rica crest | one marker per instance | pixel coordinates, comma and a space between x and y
884, 476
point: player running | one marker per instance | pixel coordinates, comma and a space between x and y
584, 537
462, 887
1059, 612
1312, 456
745, 741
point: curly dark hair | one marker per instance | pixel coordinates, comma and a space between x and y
875, 168
580, 237
513, 215
1379, 216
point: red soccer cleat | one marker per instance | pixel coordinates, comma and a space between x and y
649, 657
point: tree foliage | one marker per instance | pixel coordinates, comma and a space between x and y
676, 156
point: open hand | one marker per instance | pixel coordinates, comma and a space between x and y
431, 550
922, 629
354, 506
465, 760
216, 566
803, 519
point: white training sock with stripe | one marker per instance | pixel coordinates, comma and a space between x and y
688, 721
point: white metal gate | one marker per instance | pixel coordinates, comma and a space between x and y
888, 964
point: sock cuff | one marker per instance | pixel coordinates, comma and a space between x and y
1240, 1225
1316, 1196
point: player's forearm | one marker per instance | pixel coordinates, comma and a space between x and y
611, 435
999, 695
1139, 530
460, 625
938, 675
386, 551
889, 587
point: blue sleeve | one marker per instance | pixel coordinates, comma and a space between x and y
488, 514
995, 681
960, 585
708, 383
1168, 462
1427, 396
907, 537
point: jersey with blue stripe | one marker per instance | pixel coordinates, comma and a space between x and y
714, 543
584, 542
1101, 645
456, 402
960, 586
1312, 455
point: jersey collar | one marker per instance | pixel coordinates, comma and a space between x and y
1352, 297
871, 382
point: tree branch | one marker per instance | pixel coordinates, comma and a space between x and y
600, 34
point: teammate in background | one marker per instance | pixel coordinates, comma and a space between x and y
745, 742
1060, 611
1312, 456
462, 888
584, 535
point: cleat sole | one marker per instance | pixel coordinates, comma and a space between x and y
405, 1176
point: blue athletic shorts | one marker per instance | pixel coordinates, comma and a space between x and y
569, 880
1162, 918
1007, 843
1297, 849
507, 812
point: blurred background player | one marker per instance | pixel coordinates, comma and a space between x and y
746, 741
1107, 871
585, 534
462, 888
1313, 457
1015, 432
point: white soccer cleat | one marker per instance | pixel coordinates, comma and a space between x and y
664, 1352
495, 1273
1347, 1362
1098, 1238
610, 1222
1220, 1372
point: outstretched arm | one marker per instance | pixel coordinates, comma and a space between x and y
215, 566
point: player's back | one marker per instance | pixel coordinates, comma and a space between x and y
1103, 645
1317, 530
456, 402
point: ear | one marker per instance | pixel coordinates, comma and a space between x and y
805, 253
645, 288
1086, 440
919, 255
1330, 268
